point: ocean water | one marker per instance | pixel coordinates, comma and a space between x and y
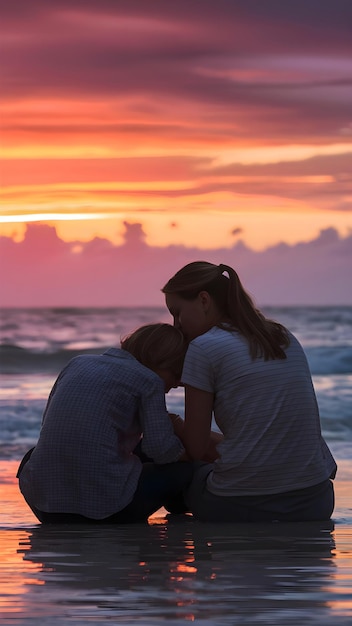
170, 570
36, 343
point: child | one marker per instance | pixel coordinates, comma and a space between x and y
83, 468
273, 463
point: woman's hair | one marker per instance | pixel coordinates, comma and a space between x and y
157, 346
266, 338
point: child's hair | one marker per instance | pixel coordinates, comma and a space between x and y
157, 346
266, 338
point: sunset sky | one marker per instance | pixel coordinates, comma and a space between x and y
197, 127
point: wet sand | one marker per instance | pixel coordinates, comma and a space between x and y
175, 569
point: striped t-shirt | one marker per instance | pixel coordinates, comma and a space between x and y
267, 412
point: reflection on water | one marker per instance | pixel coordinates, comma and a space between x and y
179, 571
182, 571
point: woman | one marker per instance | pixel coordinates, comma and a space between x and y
252, 373
84, 467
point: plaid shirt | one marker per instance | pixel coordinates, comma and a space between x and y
95, 415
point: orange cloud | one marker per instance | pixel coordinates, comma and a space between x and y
169, 112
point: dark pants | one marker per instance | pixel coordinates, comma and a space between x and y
158, 485
311, 504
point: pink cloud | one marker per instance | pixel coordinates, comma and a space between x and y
44, 271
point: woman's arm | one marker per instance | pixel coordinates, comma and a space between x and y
211, 453
195, 432
198, 438
198, 415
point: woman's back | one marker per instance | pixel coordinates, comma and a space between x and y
266, 410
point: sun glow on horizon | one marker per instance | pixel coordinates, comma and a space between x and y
257, 230
49, 217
